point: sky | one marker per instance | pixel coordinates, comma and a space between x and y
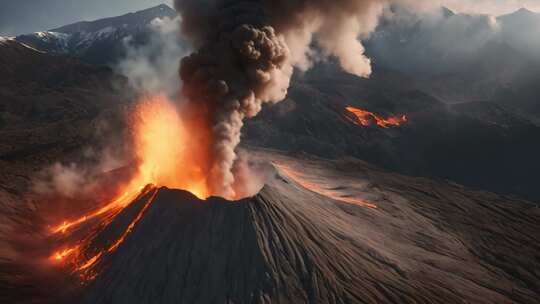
26, 16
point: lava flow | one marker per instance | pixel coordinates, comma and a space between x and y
169, 153
365, 118
314, 187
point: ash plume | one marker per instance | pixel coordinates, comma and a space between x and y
245, 55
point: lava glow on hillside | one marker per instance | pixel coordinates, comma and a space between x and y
365, 118
169, 153
334, 194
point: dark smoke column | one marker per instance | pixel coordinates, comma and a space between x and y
245, 53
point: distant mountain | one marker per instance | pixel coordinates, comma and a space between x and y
130, 21
101, 41
521, 29
464, 58
522, 16
426, 45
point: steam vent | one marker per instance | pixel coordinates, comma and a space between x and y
290, 244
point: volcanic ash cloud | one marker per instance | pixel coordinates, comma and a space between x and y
245, 54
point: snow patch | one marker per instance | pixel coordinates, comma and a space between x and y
33, 49
59, 41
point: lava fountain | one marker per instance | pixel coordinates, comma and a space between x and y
171, 150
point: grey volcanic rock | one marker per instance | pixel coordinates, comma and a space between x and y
427, 242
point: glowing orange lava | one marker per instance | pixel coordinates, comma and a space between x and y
133, 223
302, 181
167, 156
60, 255
170, 151
365, 118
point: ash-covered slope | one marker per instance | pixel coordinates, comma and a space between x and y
50, 104
426, 242
51, 107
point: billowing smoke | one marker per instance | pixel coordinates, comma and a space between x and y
148, 66
246, 52
75, 180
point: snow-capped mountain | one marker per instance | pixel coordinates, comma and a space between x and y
101, 41
52, 42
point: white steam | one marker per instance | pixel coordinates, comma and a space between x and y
148, 66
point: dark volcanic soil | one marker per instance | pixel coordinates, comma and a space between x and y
426, 242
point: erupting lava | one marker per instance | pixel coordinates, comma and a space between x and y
365, 118
171, 151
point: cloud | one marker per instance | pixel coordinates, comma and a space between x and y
153, 67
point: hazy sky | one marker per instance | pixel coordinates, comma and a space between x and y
24, 16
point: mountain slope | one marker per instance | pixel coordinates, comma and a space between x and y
426, 242
130, 21
484, 145
101, 41
50, 108
512, 30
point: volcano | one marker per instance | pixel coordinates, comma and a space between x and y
149, 226
417, 241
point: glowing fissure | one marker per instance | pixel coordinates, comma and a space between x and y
299, 179
93, 260
365, 118
118, 203
64, 253
133, 223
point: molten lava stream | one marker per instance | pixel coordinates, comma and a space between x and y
72, 253
86, 265
117, 204
302, 181
364, 118
170, 151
